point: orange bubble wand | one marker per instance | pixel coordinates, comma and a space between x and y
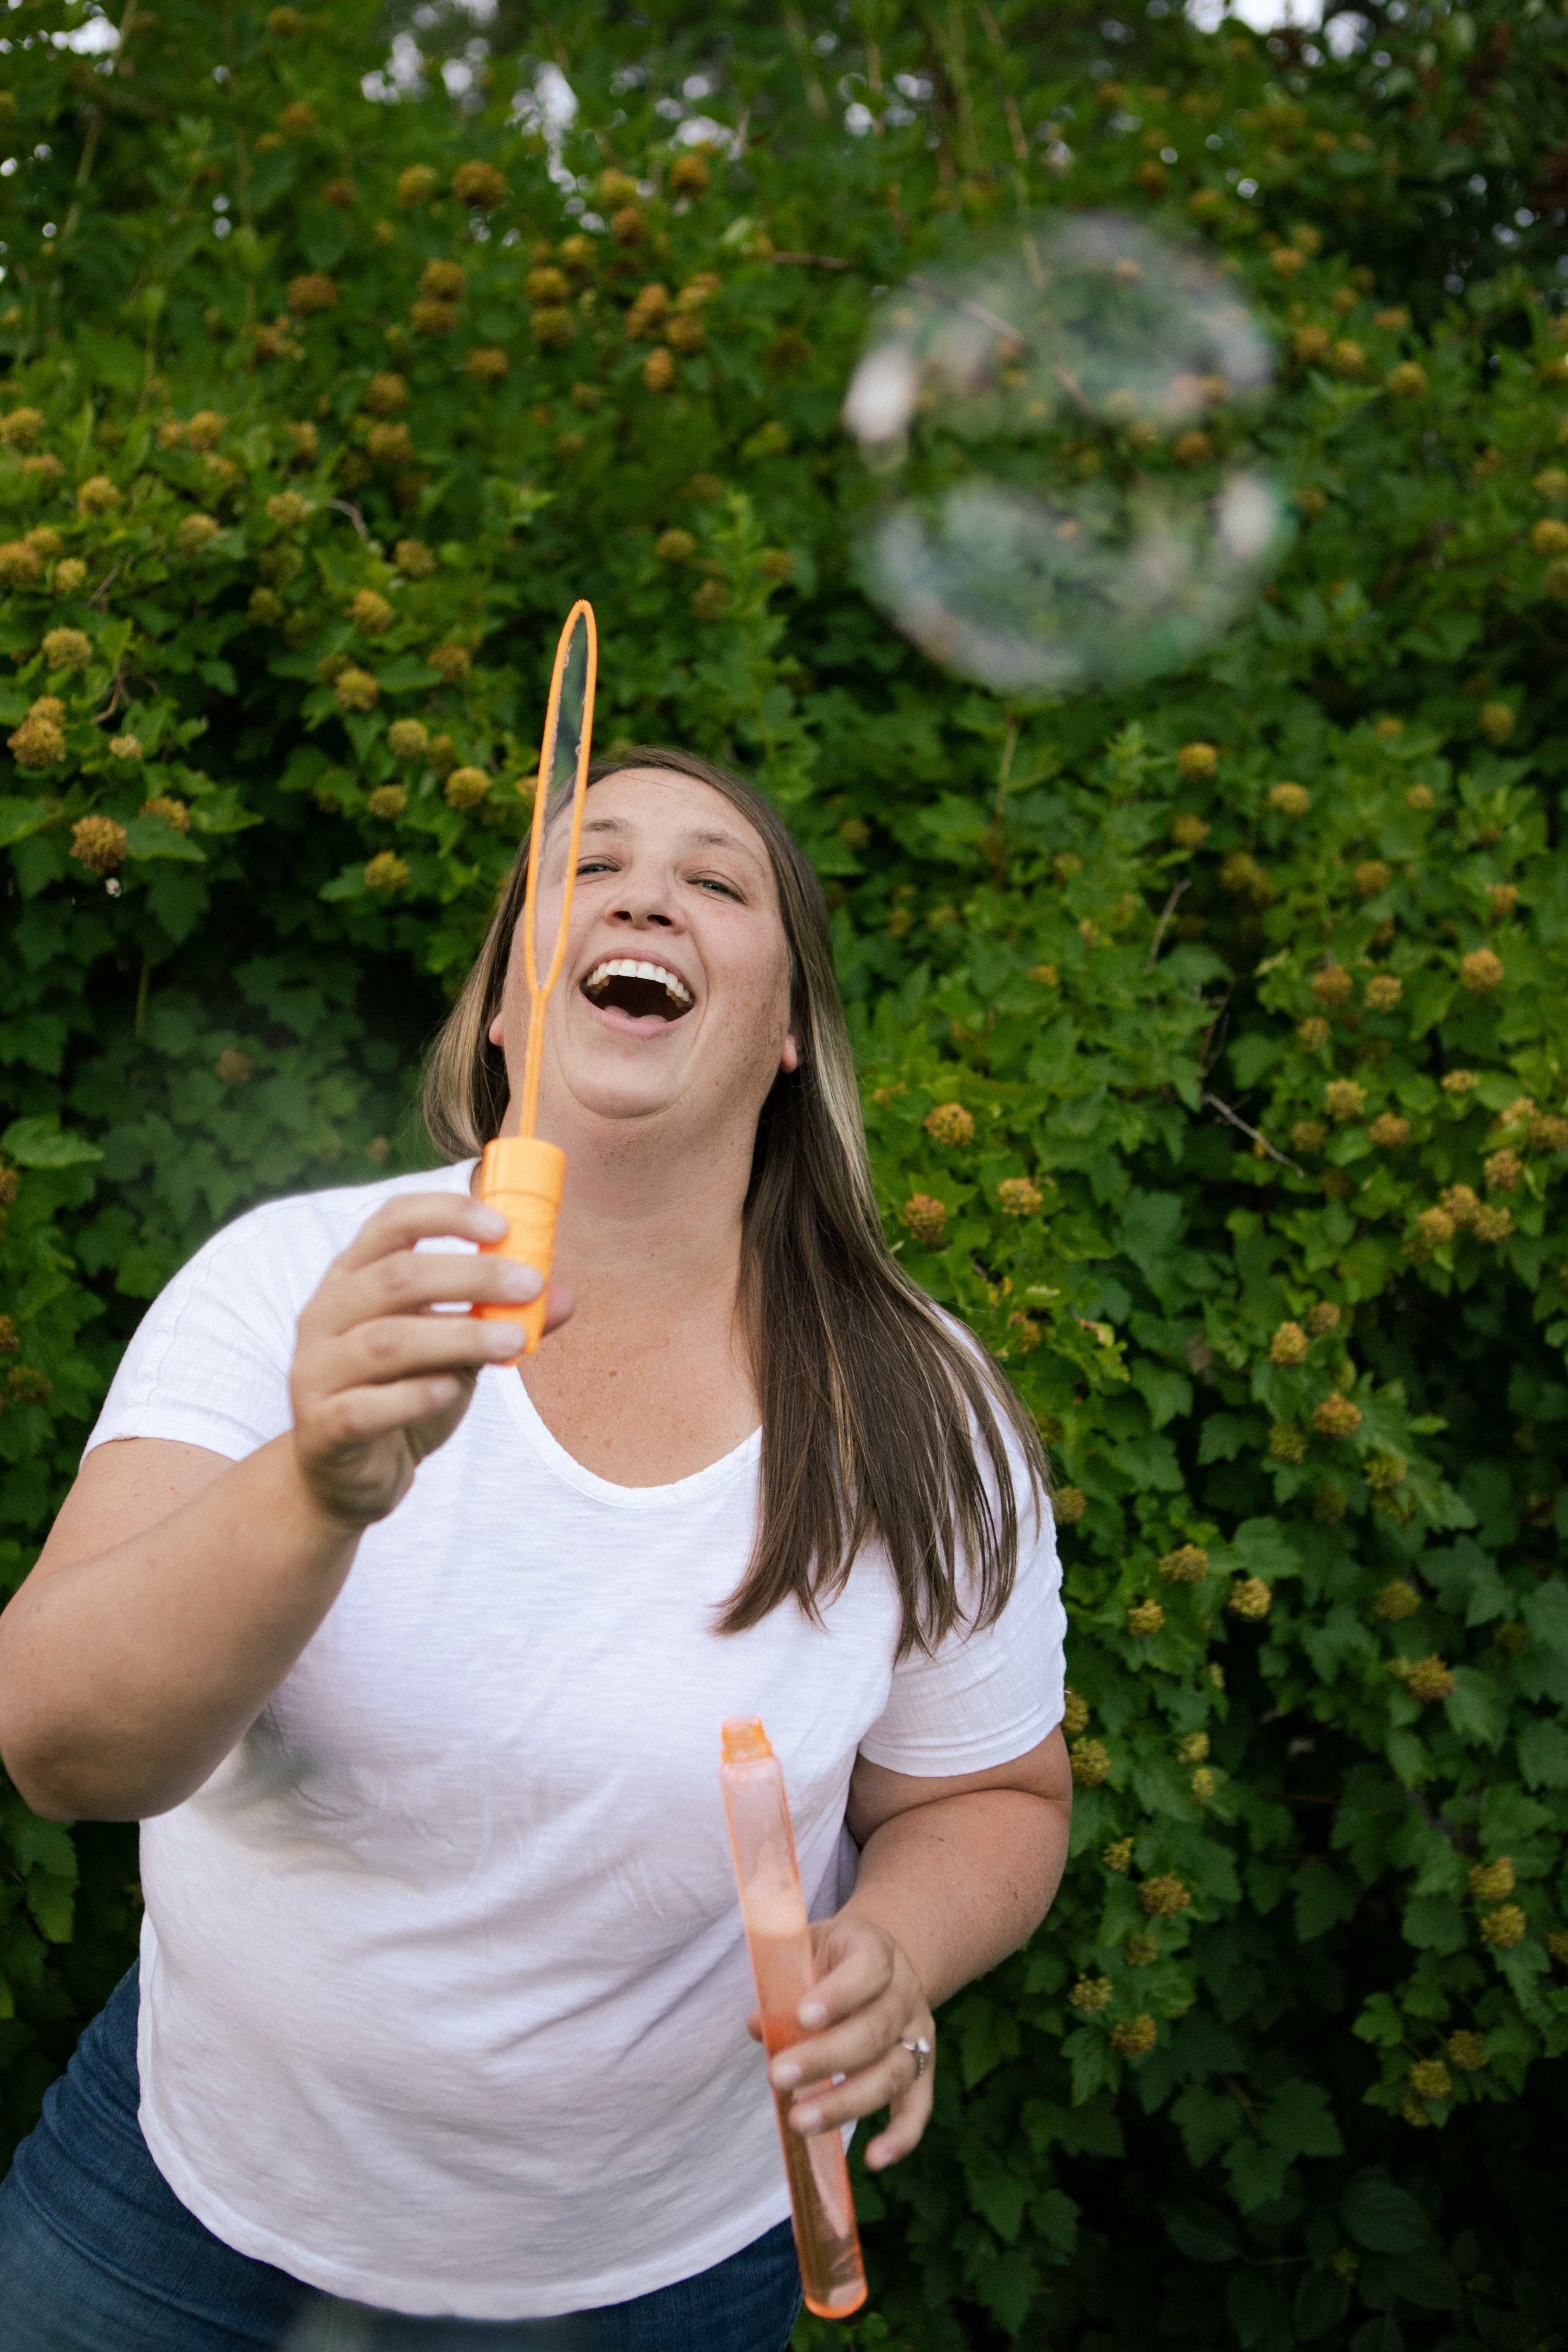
519, 1174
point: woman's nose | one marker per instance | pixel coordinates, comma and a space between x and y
639, 911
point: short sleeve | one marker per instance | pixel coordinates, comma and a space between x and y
984, 1697
210, 1359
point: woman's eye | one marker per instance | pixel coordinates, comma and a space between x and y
594, 865
711, 882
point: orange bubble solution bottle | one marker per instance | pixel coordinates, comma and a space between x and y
778, 1937
522, 1175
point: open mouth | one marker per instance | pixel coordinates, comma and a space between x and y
641, 990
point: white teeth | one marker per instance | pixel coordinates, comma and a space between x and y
631, 968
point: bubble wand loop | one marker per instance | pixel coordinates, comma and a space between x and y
519, 1175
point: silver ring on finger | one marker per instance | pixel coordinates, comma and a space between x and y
920, 2050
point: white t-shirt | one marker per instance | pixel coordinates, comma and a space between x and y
444, 1989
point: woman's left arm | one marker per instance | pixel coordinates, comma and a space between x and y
954, 1874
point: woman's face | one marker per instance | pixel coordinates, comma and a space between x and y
674, 996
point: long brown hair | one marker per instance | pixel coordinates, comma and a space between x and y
880, 1420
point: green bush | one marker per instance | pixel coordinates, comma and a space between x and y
1250, 988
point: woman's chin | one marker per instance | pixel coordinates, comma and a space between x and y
623, 1094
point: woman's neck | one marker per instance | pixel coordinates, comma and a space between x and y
649, 1229
651, 1379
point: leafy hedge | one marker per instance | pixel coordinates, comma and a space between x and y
1213, 1034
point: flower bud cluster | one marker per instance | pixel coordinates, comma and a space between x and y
1188, 1564
950, 1123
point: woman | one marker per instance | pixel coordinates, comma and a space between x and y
412, 1663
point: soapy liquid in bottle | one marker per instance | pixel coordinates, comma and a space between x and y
778, 1936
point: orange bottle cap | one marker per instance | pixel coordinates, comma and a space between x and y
743, 1738
522, 1163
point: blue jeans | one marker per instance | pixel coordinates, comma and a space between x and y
98, 2254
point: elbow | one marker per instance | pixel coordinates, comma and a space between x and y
59, 1787
35, 1786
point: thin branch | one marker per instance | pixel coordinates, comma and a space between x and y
814, 95
1167, 912
1213, 1102
101, 590
811, 261
1009, 103
1208, 1050
344, 506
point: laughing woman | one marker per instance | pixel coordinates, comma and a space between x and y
413, 1668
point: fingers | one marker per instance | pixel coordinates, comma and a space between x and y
413, 1217
404, 1346
910, 2115
855, 1966
413, 1283
866, 2006
354, 1415
859, 2041
891, 2082
859, 2004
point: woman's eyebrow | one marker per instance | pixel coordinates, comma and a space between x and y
699, 837
706, 840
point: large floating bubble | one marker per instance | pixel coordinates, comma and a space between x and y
1059, 424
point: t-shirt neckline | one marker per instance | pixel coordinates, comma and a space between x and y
571, 1471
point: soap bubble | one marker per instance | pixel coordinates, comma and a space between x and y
1057, 426
571, 714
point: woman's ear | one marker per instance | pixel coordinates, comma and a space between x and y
790, 1058
497, 1031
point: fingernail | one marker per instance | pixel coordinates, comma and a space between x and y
787, 2075
490, 1223
506, 1339
811, 2012
807, 2119
519, 1282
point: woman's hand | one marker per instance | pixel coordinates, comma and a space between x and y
380, 1380
867, 2003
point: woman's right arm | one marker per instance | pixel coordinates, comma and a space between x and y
177, 1588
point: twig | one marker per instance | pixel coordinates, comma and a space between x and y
1213, 1102
345, 505
1167, 912
101, 590
94, 131
814, 95
1009, 103
811, 261
1208, 1050
1239, 2096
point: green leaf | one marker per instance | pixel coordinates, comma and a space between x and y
1383, 2218
1166, 1393
999, 2191
42, 1143
154, 836
18, 818
1324, 1899
1543, 1751
1477, 1709
1428, 2279
51, 1902
1200, 2232
1322, 2299
405, 672
1380, 2335
1254, 2305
